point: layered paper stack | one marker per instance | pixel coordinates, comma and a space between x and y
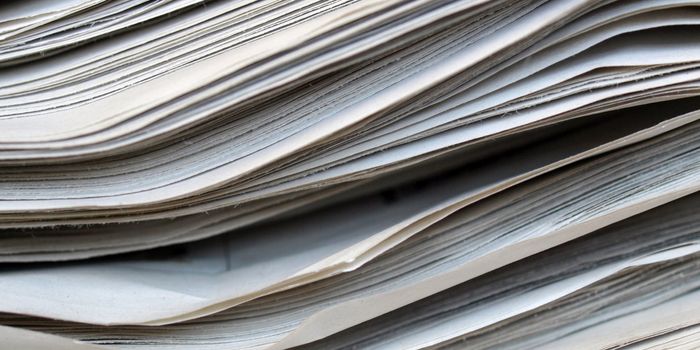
349, 174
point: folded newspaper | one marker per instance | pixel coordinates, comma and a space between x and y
349, 174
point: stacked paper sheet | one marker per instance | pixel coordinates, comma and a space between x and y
349, 174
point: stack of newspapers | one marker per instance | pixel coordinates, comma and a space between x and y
349, 174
